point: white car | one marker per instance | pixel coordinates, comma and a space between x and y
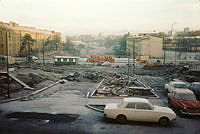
173, 85
139, 109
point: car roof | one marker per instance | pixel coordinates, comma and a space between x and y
136, 99
183, 91
178, 82
196, 83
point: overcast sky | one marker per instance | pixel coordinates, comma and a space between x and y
107, 16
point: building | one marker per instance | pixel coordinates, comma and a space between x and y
12, 33
186, 29
144, 44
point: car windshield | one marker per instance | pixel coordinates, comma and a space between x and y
180, 86
196, 85
185, 96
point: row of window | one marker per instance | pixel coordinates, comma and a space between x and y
144, 106
101, 57
65, 60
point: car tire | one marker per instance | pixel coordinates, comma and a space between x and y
121, 119
164, 121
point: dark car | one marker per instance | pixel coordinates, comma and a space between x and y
195, 87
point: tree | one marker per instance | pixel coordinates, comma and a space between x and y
69, 47
27, 42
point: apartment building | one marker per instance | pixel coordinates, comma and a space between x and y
145, 44
12, 33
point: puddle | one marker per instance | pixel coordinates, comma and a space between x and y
42, 117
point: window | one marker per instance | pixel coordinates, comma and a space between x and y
185, 96
131, 105
180, 86
144, 106
70, 60
196, 85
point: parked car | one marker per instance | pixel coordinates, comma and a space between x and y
184, 101
195, 87
31, 58
139, 109
173, 85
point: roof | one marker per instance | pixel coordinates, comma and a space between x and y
100, 55
66, 57
14, 26
178, 82
183, 91
136, 99
198, 83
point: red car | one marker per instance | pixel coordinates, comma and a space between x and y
184, 101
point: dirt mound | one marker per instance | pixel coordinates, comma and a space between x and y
31, 79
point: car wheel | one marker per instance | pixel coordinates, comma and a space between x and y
121, 118
164, 121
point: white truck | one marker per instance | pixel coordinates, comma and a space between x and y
173, 85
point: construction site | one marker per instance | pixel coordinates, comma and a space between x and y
49, 94
55, 89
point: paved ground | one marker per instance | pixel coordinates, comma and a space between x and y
65, 106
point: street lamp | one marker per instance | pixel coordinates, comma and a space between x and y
43, 54
173, 42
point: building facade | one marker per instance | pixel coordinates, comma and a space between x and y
11, 36
145, 44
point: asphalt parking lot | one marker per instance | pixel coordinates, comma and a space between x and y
61, 109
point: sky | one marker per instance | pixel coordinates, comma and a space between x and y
75, 17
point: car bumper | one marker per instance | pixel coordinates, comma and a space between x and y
189, 113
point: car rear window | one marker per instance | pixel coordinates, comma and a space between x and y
180, 86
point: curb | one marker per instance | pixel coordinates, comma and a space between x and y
93, 108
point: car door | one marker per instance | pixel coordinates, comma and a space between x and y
173, 99
129, 111
144, 112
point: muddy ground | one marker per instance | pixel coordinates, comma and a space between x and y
42, 113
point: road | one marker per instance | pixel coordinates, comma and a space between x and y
61, 110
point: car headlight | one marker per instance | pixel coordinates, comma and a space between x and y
185, 107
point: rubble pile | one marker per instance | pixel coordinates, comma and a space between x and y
88, 76
118, 86
83, 77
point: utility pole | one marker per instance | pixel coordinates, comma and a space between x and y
164, 50
133, 55
128, 69
7, 53
43, 54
